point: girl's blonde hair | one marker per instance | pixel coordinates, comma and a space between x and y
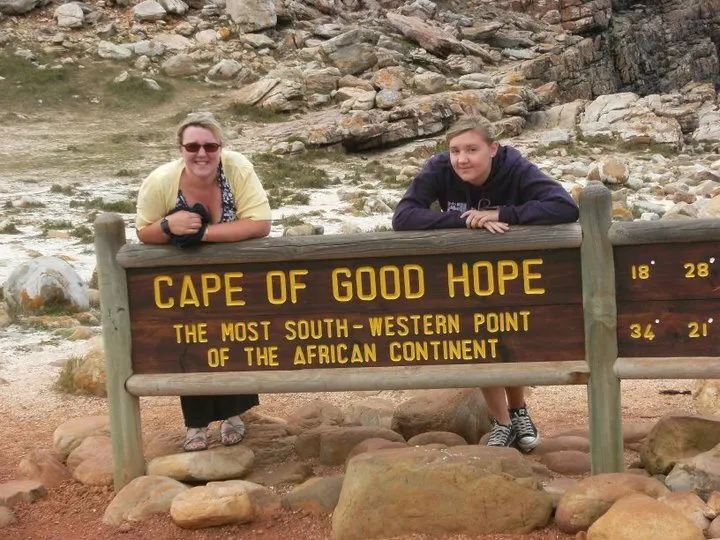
472, 123
204, 120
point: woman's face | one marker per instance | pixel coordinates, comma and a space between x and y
203, 163
471, 157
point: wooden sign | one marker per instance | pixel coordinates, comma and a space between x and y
668, 299
388, 311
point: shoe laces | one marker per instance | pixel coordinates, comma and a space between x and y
499, 435
523, 424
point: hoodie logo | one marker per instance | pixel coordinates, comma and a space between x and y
457, 207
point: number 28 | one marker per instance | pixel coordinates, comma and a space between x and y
693, 270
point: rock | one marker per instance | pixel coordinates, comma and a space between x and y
370, 411
15, 491
91, 463
316, 495
459, 411
570, 462
161, 443
590, 498
18, 7
180, 65
677, 437
219, 463
431, 38
142, 498
336, 444
252, 15
44, 466
563, 442
437, 437
372, 444
316, 413
429, 82
149, 10
700, 473
285, 473
386, 493
69, 15
89, 375
45, 282
706, 396
640, 517
217, 503
70, 434
692, 507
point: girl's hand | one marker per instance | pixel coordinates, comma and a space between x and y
485, 219
184, 222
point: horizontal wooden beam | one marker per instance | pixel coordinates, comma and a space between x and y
691, 367
359, 379
664, 232
353, 246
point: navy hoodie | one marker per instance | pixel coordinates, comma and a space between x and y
518, 188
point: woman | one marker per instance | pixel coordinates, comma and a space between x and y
481, 184
234, 207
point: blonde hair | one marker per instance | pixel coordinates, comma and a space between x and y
204, 120
472, 123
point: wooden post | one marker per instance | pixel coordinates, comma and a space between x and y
601, 348
128, 460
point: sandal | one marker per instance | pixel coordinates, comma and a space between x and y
196, 442
231, 433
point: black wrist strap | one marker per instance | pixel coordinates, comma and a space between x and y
165, 226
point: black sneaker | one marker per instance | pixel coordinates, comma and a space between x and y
528, 437
501, 435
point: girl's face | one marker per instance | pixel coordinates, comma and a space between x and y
471, 157
202, 163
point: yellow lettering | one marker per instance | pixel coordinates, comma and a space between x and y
208, 289
528, 276
159, 302
188, 296
230, 289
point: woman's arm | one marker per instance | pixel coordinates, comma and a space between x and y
413, 211
234, 231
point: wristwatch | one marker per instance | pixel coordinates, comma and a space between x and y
165, 226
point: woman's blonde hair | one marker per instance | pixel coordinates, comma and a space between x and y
472, 123
204, 120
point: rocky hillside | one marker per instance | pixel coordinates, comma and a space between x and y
390, 71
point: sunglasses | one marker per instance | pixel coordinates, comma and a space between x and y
194, 147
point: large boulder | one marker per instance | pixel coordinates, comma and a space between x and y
18, 7
463, 490
640, 517
142, 498
583, 503
458, 411
677, 437
43, 283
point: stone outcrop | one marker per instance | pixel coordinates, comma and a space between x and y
44, 283
677, 437
386, 493
583, 503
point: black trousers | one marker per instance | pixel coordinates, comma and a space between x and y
199, 411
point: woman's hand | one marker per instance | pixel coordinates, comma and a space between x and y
485, 219
184, 222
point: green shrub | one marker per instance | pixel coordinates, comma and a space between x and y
65, 382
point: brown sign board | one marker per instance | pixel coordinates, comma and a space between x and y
668, 299
385, 311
